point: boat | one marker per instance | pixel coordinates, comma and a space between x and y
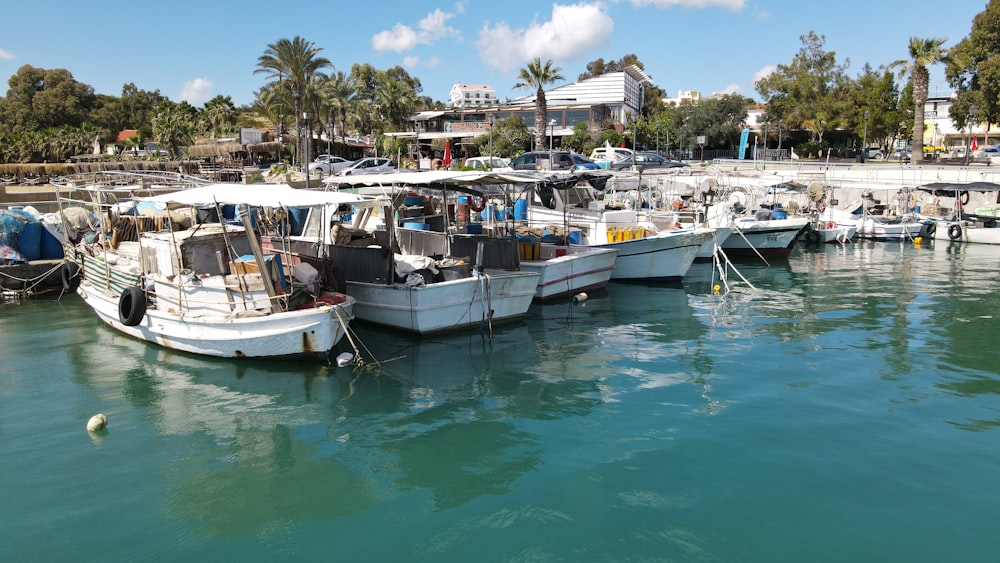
403, 275
645, 252
499, 249
979, 227
168, 271
769, 231
824, 228
876, 220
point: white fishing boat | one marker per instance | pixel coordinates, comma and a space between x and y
645, 252
566, 270
562, 270
876, 220
979, 226
164, 273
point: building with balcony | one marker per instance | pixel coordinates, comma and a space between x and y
603, 101
472, 96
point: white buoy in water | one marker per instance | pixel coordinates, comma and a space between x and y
344, 359
579, 298
97, 422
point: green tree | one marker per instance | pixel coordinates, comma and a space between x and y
38, 99
174, 127
295, 62
510, 138
339, 95
808, 92
874, 93
923, 53
396, 101
537, 76
973, 68
219, 117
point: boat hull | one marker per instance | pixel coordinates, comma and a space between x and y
666, 256
305, 333
954, 232
767, 238
581, 269
445, 306
871, 229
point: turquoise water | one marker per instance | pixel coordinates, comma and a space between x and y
847, 410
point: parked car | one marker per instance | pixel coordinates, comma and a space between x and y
583, 163
560, 160
644, 160
611, 154
874, 153
496, 164
370, 165
328, 164
904, 154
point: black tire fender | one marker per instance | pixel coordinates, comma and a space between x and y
69, 274
131, 306
931, 228
954, 231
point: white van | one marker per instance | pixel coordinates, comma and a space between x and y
610, 154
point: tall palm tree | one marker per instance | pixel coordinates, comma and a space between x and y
294, 61
537, 76
339, 93
923, 53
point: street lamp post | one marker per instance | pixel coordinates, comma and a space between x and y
968, 139
490, 120
306, 116
552, 130
864, 143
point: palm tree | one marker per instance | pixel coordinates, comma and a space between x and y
339, 94
295, 62
923, 53
537, 76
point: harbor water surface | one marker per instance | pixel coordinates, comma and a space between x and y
848, 409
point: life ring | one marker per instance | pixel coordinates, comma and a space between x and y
954, 231
931, 228
477, 207
131, 306
69, 273
964, 198
911, 201
812, 236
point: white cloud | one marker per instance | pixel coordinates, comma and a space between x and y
7, 55
196, 92
733, 88
405, 38
414, 61
762, 73
695, 4
573, 31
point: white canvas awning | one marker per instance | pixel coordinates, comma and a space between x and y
258, 195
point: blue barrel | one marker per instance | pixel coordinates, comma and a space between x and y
521, 209
575, 237
779, 215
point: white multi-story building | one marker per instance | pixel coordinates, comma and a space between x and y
683, 97
472, 96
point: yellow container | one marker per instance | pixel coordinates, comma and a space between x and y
529, 250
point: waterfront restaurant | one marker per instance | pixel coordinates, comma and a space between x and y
603, 101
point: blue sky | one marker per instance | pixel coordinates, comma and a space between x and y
193, 51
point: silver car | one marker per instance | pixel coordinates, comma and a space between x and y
370, 165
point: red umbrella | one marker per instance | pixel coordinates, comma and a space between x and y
975, 144
447, 154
